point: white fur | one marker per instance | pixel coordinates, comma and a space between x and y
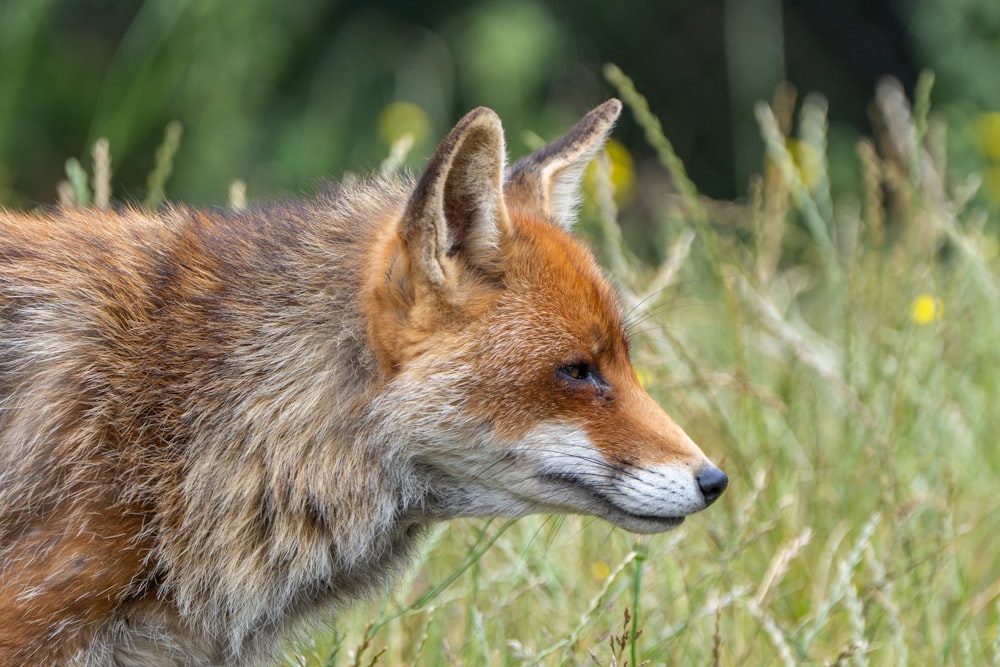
637, 497
554, 468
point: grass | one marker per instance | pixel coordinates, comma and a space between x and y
837, 356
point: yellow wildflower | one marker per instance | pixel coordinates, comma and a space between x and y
987, 131
643, 377
808, 162
600, 570
926, 309
402, 118
622, 171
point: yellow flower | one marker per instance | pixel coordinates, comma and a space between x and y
600, 570
402, 118
807, 160
987, 131
643, 377
622, 171
926, 309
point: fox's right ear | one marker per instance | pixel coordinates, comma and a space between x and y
547, 182
455, 220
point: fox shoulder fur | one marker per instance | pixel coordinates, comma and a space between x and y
215, 425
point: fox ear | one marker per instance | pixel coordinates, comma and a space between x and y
548, 181
455, 219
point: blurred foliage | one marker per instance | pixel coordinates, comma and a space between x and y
843, 373
283, 94
276, 93
848, 374
961, 40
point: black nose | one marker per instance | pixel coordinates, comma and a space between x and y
712, 483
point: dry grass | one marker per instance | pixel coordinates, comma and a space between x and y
862, 524
837, 357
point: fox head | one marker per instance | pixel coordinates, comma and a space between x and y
505, 357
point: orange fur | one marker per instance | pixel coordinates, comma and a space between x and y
217, 425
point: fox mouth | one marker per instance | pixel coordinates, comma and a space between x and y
603, 506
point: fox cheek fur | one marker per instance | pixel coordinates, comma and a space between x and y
531, 308
214, 426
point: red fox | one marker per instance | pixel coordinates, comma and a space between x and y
215, 425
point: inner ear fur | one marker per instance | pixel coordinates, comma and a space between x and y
455, 220
547, 182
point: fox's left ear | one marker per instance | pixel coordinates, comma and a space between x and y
547, 182
455, 220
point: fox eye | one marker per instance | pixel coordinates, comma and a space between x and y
582, 375
579, 371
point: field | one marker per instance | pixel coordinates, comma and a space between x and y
839, 360
836, 356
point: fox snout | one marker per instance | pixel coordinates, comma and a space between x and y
499, 329
641, 496
577, 474
712, 483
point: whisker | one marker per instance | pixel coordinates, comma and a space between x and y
639, 307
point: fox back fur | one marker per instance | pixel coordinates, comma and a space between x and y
217, 424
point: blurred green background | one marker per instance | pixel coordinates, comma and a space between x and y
281, 94
836, 354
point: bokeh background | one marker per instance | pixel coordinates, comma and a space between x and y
280, 94
822, 320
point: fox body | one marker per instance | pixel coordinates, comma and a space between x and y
216, 424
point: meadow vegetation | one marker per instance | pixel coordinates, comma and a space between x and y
837, 356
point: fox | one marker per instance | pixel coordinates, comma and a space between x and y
217, 426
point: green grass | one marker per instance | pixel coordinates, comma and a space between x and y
861, 526
838, 357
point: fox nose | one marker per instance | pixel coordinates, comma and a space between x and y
712, 483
